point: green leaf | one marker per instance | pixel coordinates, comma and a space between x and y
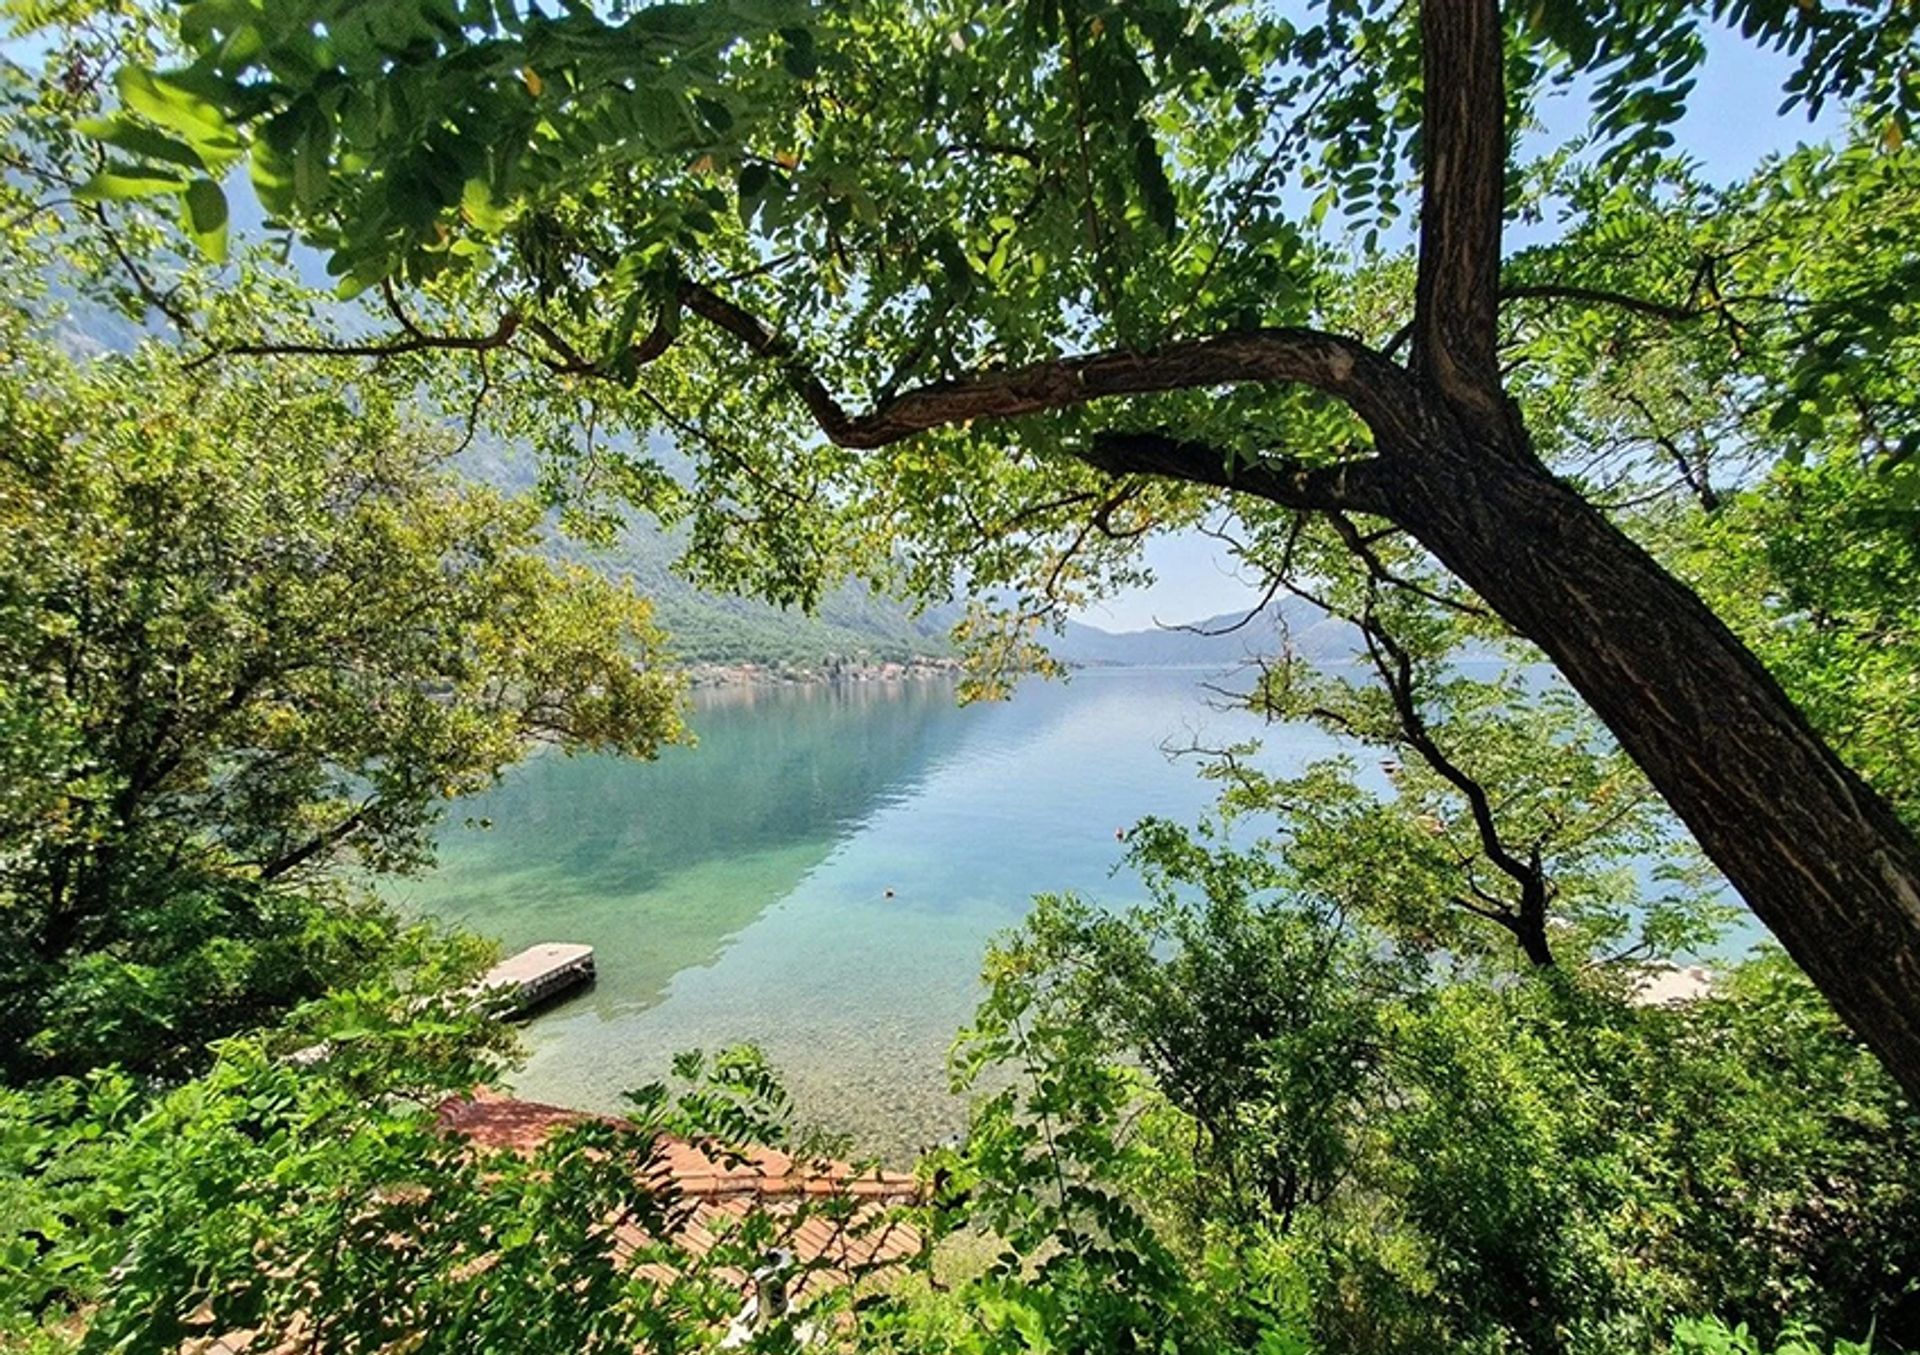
142, 141
716, 114
272, 179
125, 182
1155, 189
174, 108
797, 54
478, 205
662, 117
312, 156
207, 218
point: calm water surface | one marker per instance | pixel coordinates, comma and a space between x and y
821, 875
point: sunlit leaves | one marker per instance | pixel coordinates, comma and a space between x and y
207, 218
254, 634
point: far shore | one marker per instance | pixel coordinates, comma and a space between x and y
921, 669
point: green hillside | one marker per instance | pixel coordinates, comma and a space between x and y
853, 623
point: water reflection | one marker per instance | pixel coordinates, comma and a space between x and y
657, 864
821, 875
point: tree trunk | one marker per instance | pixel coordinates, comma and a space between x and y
1820, 858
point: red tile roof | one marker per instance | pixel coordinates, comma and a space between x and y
716, 1192
723, 1189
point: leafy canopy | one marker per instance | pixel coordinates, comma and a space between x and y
733, 223
253, 633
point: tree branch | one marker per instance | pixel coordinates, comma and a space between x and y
1600, 296
1377, 569
1376, 389
414, 342
1273, 591
1395, 667
1353, 485
149, 293
313, 846
1696, 477
1463, 177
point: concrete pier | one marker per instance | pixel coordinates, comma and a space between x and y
519, 983
539, 973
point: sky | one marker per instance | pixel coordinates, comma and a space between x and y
1730, 126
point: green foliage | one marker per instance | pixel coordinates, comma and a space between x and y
1779, 408
1050, 1176
1813, 565
905, 194
252, 633
1524, 1165
1195, 993
320, 1202
1710, 1336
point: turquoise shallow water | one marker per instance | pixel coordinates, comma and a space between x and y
822, 874
739, 890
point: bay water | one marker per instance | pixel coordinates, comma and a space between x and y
822, 873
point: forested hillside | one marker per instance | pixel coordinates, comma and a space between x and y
852, 624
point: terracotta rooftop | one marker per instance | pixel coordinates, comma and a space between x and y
828, 1252
716, 1193
496, 1122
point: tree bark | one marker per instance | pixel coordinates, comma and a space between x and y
1820, 858
1456, 324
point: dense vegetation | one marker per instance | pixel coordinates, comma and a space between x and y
251, 634
951, 298
1375, 1070
254, 635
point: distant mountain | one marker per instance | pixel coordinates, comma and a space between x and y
853, 623
1219, 641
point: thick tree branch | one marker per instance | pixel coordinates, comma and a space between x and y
1457, 290
1356, 486
1377, 390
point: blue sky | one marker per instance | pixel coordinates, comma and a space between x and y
1730, 126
